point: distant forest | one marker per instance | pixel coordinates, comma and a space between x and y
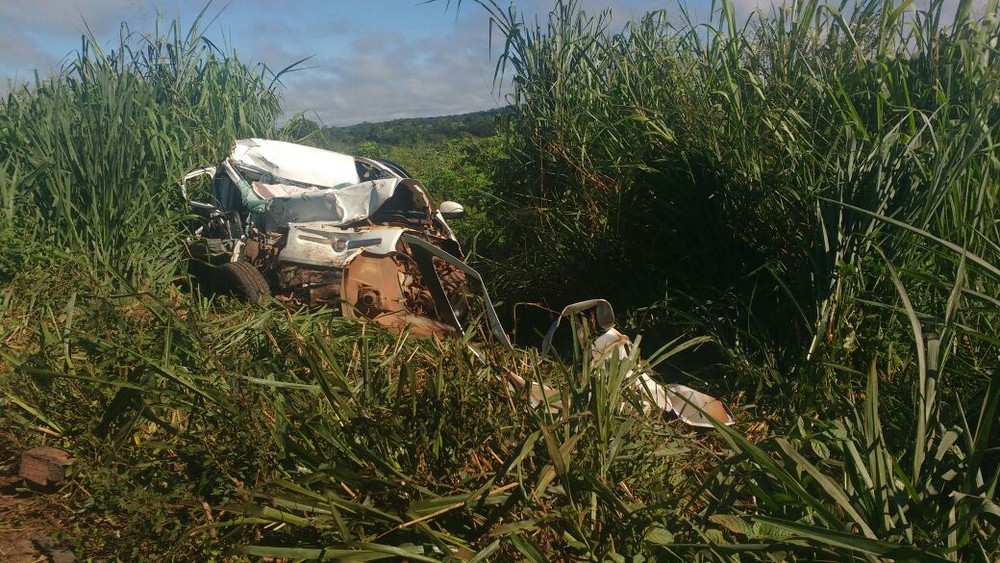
408, 131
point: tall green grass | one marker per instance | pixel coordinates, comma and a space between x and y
746, 170
816, 186
816, 189
306, 435
91, 156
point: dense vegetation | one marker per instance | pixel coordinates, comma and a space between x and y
816, 191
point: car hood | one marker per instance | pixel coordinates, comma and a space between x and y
340, 206
299, 163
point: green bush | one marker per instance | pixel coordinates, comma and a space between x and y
92, 156
745, 177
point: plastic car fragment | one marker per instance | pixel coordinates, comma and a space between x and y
692, 407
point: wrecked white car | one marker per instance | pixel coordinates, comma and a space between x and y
317, 227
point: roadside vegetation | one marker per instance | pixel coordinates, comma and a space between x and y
815, 191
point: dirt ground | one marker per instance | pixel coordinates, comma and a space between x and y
28, 523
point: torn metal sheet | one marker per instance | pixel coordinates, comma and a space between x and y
385, 289
300, 163
692, 407
491, 315
340, 206
325, 244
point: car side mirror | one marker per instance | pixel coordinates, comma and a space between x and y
451, 210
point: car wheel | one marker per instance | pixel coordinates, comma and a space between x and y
243, 281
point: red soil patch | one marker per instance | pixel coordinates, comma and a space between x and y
28, 523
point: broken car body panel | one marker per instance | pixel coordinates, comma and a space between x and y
303, 164
325, 244
692, 407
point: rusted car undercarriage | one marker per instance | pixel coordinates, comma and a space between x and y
315, 227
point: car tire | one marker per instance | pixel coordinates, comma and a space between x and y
243, 281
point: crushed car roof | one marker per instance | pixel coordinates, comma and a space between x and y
299, 163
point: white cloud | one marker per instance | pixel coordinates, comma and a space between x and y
65, 17
392, 74
22, 53
367, 64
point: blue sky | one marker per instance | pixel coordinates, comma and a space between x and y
372, 60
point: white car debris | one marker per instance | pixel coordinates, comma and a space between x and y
315, 227
690, 406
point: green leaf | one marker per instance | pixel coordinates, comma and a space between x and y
658, 535
837, 540
527, 548
820, 448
